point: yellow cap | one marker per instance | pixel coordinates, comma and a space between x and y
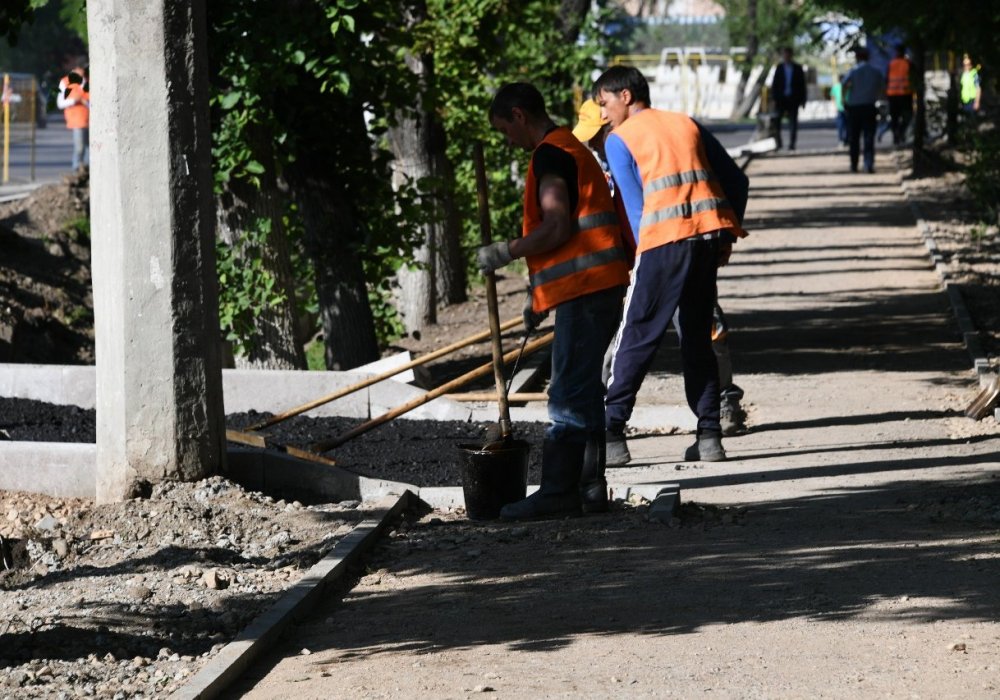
589, 122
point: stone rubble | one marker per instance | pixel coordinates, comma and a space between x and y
128, 600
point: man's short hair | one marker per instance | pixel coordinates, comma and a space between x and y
861, 53
618, 78
524, 96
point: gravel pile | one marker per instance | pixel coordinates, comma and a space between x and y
128, 600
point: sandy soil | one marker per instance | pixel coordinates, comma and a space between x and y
849, 548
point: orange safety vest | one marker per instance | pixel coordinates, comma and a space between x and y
78, 115
899, 78
682, 197
593, 258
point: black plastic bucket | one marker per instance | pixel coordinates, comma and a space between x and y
493, 478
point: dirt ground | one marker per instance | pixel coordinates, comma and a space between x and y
46, 307
848, 549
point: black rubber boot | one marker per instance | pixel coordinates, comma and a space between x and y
706, 448
559, 492
593, 485
616, 448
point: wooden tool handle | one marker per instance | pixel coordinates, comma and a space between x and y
481, 371
486, 236
340, 393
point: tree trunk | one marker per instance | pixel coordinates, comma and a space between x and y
572, 13
920, 115
741, 108
410, 140
451, 278
331, 233
419, 145
240, 208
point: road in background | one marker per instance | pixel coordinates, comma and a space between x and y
53, 157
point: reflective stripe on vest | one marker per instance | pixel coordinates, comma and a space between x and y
684, 209
604, 218
592, 259
899, 78
682, 197
688, 178
577, 264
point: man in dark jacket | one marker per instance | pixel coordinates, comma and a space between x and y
789, 91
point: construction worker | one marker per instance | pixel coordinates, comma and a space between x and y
592, 130
900, 93
571, 241
74, 100
972, 90
662, 163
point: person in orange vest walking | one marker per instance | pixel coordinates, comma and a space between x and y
572, 242
74, 100
685, 226
900, 93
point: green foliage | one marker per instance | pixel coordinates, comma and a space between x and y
982, 177
316, 356
779, 23
490, 43
38, 39
957, 25
246, 289
79, 229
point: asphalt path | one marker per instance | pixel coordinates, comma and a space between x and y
53, 154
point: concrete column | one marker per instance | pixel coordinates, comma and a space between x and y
159, 376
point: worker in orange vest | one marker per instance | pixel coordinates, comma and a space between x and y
900, 93
572, 243
74, 100
685, 223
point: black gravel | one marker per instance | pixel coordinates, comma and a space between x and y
37, 421
418, 452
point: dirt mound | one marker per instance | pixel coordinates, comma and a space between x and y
46, 306
129, 599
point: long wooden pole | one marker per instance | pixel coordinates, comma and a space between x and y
429, 396
486, 237
341, 393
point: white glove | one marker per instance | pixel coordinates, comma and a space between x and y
493, 256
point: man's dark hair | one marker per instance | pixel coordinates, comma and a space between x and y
618, 78
900, 49
861, 53
524, 96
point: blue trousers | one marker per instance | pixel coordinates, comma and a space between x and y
678, 277
584, 327
861, 122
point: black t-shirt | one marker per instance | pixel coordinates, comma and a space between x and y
552, 160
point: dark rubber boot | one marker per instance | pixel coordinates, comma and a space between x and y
616, 450
706, 448
559, 492
593, 485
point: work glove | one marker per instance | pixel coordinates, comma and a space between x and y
532, 319
493, 256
